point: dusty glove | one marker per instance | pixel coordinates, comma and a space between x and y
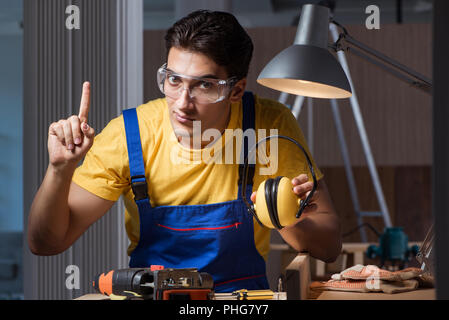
371, 278
366, 286
361, 272
342, 285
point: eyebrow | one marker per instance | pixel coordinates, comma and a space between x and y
206, 76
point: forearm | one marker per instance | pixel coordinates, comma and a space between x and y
49, 216
317, 233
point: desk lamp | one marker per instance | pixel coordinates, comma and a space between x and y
308, 68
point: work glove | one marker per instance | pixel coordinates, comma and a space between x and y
371, 278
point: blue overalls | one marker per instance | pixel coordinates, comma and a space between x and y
216, 238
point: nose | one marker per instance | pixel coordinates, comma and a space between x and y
184, 101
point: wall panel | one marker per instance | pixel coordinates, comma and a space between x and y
106, 51
397, 117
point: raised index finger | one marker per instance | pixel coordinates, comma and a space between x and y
85, 103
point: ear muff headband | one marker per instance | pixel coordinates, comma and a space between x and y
245, 180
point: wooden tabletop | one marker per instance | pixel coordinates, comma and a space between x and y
419, 294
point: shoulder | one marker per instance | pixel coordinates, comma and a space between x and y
269, 105
152, 117
269, 112
152, 110
149, 114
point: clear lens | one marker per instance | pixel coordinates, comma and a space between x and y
201, 89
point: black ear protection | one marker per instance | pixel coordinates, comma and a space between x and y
276, 202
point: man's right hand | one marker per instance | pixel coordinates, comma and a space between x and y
70, 139
61, 210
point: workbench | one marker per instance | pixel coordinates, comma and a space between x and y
301, 266
298, 271
420, 294
98, 296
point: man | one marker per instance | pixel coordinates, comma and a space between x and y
182, 211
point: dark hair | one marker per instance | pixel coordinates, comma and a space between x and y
217, 35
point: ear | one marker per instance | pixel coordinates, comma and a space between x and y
238, 90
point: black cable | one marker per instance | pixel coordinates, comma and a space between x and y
337, 46
345, 32
344, 235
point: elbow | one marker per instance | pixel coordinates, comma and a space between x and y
332, 253
39, 248
327, 253
335, 248
35, 248
44, 251
33, 244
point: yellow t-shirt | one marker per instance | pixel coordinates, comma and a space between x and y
181, 176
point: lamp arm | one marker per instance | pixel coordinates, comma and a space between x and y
383, 61
420, 84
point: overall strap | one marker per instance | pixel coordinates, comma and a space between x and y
249, 120
135, 156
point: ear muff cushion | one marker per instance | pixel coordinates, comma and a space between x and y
268, 198
271, 195
270, 184
287, 203
274, 202
261, 206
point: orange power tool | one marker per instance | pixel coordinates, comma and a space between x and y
156, 283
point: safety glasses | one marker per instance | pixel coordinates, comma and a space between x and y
202, 90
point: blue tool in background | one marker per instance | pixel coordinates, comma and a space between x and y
393, 247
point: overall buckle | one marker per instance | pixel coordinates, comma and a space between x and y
139, 188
